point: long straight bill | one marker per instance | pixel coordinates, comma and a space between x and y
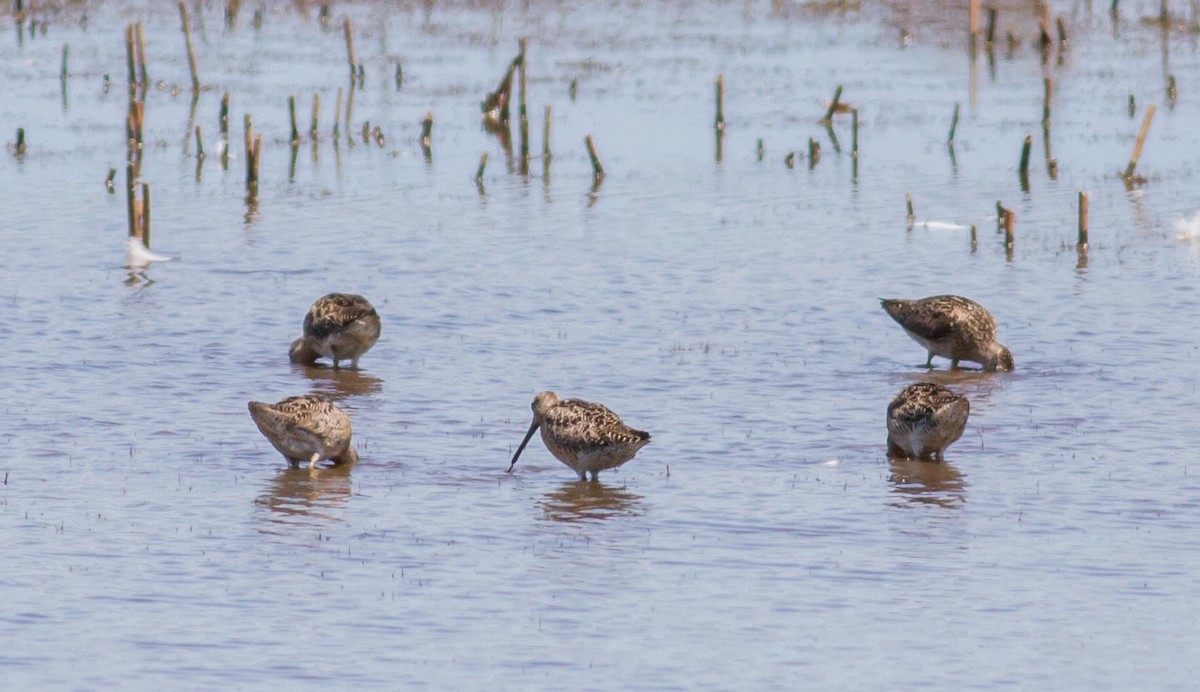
532, 428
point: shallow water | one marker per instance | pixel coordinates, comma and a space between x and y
729, 307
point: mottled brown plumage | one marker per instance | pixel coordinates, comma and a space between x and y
951, 327
306, 428
339, 326
586, 437
924, 419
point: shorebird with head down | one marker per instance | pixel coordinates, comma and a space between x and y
306, 428
586, 437
340, 326
951, 327
923, 420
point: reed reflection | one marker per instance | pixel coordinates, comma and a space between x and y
340, 383
581, 501
316, 494
927, 483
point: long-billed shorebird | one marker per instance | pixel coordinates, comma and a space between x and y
951, 327
339, 326
306, 428
587, 437
924, 419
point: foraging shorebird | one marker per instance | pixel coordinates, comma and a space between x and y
923, 420
951, 327
586, 437
339, 326
306, 428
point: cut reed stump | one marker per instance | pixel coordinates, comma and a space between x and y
350, 60
719, 122
482, 165
427, 132
1141, 139
187, 37
597, 169
295, 140
953, 126
833, 106
908, 203
1083, 220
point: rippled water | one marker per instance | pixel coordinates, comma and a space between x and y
153, 537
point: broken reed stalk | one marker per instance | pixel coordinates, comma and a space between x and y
991, 26
130, 206
853, 134
312, 131
249, 143
1023, 169
814, 153
295, 140
482, 165
1062, 31
837, 95
1141, 139
191, 52
108, 182
130, 58
1010, 220
953, 126
223, 117
1172, 89
146, 214
1083, 220
974, 18
337, 115
1047, 93
66, 51
350, 49
252, 166
597, 169
759, 150
719, 123
546, 155
139, 33
912, 217
199, 145
427, 132
974, 239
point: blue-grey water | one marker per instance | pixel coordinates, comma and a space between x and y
153, 538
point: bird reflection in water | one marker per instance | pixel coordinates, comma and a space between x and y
580, 501
299, 496
340, 383
927, 483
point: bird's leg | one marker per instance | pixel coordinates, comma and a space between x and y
582, 474
315, 457
929, 361
595, 476
954, 364
292, 463
354, 363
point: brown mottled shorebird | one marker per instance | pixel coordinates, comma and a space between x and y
306, 428
339, 326
924, 419
951, 327
586, 437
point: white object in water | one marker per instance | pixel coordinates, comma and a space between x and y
941, 226
140, 255
1188, 230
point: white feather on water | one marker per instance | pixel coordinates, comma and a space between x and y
140, 255
1187, 230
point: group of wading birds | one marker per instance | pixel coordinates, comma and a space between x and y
922, 421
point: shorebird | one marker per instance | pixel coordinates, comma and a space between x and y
586, 437
951, 327
923, 420
339, 326
306, 428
